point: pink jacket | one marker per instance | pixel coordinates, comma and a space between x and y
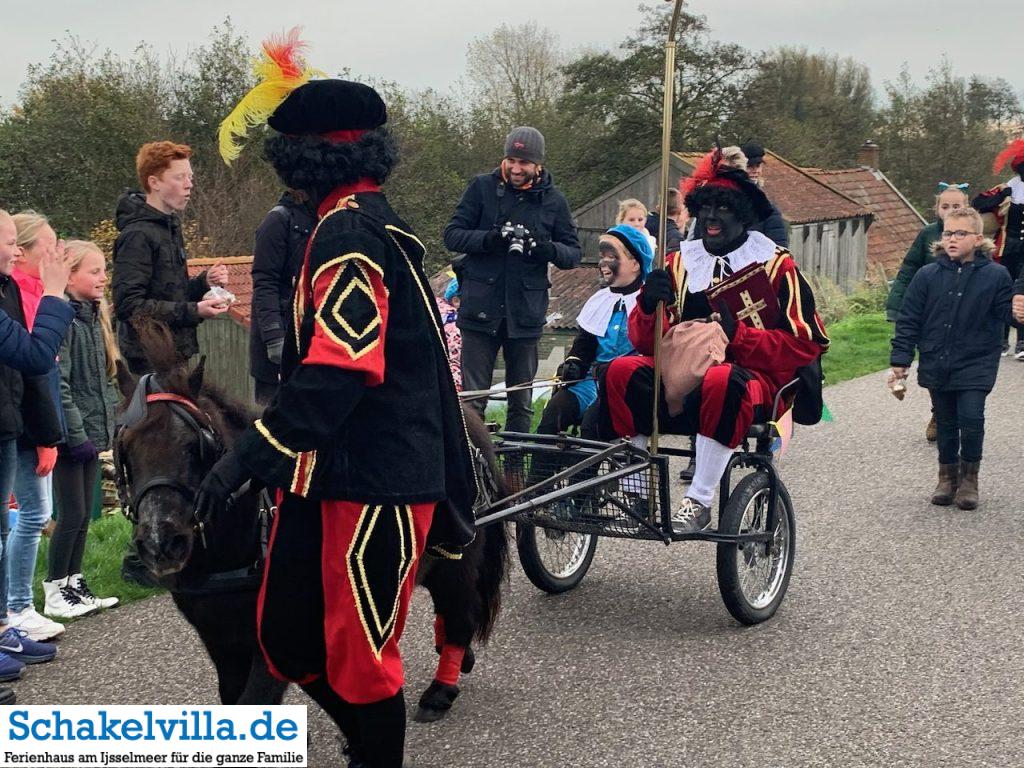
31, 294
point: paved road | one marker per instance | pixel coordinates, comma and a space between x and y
899, 643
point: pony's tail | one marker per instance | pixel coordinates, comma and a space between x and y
494, 565
493, 571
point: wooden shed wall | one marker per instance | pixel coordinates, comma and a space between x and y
226, 346
595, 219
836, 250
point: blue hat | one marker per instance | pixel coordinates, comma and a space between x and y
452, 289
637, 244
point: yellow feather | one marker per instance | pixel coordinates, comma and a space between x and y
259, 103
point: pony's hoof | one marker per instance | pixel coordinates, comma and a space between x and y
435, 702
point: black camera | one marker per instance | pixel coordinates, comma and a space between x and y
519, 238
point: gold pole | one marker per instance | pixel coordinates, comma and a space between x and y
666, 150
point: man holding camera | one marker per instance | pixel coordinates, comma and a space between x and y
511, 224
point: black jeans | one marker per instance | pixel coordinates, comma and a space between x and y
960, 418
74, 485
479, 351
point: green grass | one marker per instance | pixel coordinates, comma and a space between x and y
107, 542
860, 345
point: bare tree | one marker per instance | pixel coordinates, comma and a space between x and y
514, 73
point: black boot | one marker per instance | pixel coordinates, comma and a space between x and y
382, 732
7, 696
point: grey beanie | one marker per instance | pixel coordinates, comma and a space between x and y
525, 143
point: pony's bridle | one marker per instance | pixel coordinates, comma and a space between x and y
211, 447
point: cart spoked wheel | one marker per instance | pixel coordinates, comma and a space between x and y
554, 561
753, 577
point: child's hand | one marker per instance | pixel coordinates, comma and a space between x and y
1018, 308
897, 382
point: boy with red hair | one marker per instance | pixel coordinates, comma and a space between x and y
150, 276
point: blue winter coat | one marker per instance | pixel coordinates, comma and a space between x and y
34, 353
954, 314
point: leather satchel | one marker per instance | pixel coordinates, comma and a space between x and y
688, 350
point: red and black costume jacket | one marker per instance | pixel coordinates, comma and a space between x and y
772, 355
1009, 218
367, 409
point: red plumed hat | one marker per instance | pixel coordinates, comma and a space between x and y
714, 173
708, 171
1013, 154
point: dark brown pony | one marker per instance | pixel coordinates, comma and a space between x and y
164, 456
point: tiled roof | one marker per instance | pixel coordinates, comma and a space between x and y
800, 197
570, 289
896, 221
239, 283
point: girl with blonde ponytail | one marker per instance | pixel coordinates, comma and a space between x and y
88, 360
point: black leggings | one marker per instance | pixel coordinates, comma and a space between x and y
73, 487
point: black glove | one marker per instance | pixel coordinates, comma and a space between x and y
274, 350
571, 370
726, 319
82, 453
223, 479
542, 253
657, 287
493, 240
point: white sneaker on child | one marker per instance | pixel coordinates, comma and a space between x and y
36, 626
62, 601
77, 583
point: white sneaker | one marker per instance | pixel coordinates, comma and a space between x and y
77, 582
691, 517
1019, 355
63, 602
35, 625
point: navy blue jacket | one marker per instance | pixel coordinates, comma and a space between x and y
773, 227
496, 287
954, 314
34, 353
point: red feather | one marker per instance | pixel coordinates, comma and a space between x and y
703, 172
1013, 154
286, 52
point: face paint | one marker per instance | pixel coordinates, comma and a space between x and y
718, 226
608, 264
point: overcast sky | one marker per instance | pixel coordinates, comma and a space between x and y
423, 44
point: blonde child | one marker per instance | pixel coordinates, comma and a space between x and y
950, 197
88, 397
634, 214
958, 342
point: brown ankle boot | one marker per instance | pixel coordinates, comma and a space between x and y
931, 432
967, 493
949, 476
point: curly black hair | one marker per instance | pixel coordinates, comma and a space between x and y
316, 166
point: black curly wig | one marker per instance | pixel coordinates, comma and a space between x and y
316, 166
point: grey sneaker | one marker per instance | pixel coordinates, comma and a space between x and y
691, 517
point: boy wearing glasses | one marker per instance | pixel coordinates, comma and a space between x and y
953, 314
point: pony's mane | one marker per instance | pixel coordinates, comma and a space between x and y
174, 374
